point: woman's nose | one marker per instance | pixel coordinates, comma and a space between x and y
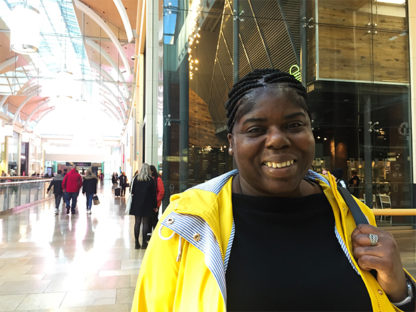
276, 138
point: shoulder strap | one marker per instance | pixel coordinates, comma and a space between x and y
358, 215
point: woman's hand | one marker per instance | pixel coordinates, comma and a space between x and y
383, 256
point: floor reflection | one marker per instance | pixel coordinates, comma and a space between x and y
69, 262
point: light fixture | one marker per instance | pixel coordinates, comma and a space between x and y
392, 1
25, 29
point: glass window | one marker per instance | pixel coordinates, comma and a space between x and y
353, 57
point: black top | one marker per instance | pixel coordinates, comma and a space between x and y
286, 257
144, 198
89, 185
56, 183
123, 180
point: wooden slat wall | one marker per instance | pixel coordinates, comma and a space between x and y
350, 49
201, 127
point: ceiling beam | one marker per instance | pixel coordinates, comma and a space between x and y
102, 85
123, 14
34, 111
96, 18
98, 48
110, 109
44, 113
3, 100
16, 114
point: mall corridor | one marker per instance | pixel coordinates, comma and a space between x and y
68, 262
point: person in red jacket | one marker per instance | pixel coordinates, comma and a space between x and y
160, 192
71, 185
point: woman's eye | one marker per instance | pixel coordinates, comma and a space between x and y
295, 124
254, 130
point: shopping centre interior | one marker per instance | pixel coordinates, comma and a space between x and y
107, 85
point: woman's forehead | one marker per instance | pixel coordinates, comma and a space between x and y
279, 97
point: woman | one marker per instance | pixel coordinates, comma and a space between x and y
89, 188
143, 201
123, 183
56, 183
114, 179
160, 192
271, 235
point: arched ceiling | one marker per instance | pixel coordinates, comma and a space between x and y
84, 62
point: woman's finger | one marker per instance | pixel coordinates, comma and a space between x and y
369, 262
369, 251
371, 239
365, 229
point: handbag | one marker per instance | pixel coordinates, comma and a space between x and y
95, 200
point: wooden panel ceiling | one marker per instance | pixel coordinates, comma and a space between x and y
107, 10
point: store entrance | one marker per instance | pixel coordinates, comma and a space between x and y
363, 129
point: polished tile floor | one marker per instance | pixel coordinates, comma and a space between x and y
69, 262
85, 262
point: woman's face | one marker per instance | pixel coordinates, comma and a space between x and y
272, 145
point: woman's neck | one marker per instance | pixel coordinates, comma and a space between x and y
306, 187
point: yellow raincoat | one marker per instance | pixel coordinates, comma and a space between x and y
186, 260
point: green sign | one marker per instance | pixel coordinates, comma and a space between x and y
294, 70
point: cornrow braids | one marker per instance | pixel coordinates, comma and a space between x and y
256, 79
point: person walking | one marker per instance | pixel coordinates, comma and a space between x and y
354, 184
143, 202
123, 183
114, 181
160, 192
56, 183
64, 194
71, 184
89, 188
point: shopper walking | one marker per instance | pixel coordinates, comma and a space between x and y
89, 188
271, 235
160, 192
71, 184
142, 204
114, 179
56, 183
123, 183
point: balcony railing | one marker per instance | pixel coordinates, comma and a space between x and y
15, 193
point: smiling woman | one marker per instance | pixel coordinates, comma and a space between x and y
271, 138
272, 235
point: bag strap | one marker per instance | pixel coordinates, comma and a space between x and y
357, 213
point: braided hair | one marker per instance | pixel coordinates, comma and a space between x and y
257, 79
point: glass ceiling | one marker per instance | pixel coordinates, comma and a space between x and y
61, 69
61, 48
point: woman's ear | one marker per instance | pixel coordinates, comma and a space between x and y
230, 142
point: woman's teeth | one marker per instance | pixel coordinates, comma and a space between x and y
279, 164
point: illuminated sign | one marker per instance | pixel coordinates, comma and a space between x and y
294, 70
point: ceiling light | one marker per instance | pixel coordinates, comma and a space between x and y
25, 29
392, 1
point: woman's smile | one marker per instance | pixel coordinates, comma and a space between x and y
279, 165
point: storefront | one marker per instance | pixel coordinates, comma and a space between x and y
353, 57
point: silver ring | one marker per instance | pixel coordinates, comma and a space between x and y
373, 239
